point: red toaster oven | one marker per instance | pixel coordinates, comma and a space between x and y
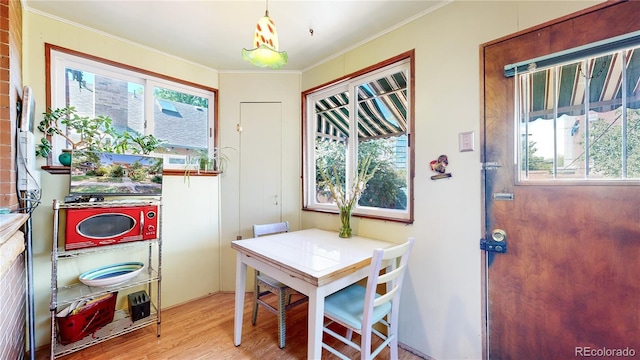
99, 226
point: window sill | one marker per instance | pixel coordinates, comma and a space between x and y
56, 170
191, 172
364, 216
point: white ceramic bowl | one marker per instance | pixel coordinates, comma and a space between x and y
111, 275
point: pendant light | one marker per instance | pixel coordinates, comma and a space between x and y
265, 40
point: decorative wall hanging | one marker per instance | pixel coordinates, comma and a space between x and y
440, 167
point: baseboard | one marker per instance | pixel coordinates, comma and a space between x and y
414, 351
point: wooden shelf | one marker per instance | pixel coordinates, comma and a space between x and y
57, 170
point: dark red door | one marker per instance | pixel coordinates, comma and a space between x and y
569, 284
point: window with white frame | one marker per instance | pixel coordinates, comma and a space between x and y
139, 102
365, 116
580, 120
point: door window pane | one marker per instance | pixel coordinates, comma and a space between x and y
631, 98
580, 120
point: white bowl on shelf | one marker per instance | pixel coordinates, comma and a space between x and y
111, 275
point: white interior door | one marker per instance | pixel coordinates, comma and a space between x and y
260, 165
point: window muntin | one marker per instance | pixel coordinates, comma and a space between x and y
581, 120
134, 101
380, 117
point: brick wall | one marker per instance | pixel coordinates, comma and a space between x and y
10, 93
12, 311
12, 282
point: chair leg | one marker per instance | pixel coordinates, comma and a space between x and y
256, 291
365, 344
349, 333
392, 330
282, 323
393, 349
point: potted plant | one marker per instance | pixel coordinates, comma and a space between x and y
220, 159
215, 161
91, 132
347, 199
204, 162
97, 134
201, 161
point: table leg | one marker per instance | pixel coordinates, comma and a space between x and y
316, 316
241, 279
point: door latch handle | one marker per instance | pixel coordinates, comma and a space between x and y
497, 243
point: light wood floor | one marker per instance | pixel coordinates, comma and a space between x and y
203, 329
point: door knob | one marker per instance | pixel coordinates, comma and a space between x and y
499, 235
497, 243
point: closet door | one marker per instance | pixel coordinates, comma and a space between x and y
260, 134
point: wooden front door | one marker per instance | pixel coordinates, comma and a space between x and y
568, 285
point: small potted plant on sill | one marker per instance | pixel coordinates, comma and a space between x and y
205, 162
215, 161
201, 161
220, 159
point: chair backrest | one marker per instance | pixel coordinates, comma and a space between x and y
269, 229
395, 260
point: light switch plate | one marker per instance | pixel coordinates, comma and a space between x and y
465, 141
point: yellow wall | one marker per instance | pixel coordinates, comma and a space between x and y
190, 222
441, 304
281, 87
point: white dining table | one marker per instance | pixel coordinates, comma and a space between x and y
314, 262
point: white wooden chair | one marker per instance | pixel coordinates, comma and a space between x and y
266, 285
358, 308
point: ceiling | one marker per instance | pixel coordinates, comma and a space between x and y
212, 33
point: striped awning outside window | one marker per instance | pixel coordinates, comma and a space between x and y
382, 110
605, 86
